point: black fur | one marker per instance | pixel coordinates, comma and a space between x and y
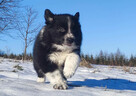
54, 31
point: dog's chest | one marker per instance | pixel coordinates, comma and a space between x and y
58, 57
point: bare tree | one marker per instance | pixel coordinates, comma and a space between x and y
27, 28
8, 15
8, 51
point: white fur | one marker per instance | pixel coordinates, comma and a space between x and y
65, 47
41, 80
58, 57
71, 64
50, 19
56, 78
69, 24
71, 60
69, 34
41, 32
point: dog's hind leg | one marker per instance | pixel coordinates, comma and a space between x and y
40, 74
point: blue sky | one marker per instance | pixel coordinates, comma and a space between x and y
106, 24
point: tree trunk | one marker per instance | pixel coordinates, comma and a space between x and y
24, 57
25, 53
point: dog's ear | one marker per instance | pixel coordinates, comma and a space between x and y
49, 16
77, 15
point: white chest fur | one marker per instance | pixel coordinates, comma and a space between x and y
58, 57
70, 60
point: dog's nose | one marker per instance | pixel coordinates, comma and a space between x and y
70, 40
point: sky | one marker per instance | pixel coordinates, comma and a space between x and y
106, 24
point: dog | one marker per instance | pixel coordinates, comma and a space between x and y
56, 52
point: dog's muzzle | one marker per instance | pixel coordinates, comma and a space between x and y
69, 41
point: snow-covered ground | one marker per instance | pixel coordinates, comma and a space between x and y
100, 80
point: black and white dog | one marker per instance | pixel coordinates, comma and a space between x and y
56, 53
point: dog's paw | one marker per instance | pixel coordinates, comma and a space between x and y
68, 74
41, 80
61, 86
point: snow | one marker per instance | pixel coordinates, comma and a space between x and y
101, 80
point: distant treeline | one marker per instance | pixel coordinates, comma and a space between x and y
17, 57
114, 59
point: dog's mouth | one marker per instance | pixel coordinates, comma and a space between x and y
68, 44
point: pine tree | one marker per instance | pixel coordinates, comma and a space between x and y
112, 59
101, 57
92, 59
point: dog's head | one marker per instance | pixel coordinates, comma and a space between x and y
64, 29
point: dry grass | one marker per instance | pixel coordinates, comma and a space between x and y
131, 70
1, 60
126, 69
18, 67
85, 63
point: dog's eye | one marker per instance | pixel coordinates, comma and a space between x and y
61, 29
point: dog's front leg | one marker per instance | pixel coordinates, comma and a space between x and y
71, 64
57, 80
